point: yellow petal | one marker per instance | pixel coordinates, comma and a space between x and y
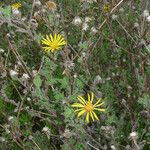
56, 48
55, 36
92, 97
87, 117
51, 37
97, 102
52, 50
95, 115
47, 48
91, 116
44, 41
59, 37
81, 112
78, 109
89, 97
48, 39
61, 40
77, 105
99, 109
62, 43
81, 100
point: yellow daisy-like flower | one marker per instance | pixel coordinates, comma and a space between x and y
88, 108
106, 8
16, 5
53, 43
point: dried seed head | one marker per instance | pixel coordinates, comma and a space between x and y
114, 17
25, 76
37, 3
85, 26
43, 10
30, 137
75, 76
87, 19
28, 99
148, 18
45, 129
2, 139
34, 72
93, 30
69, 65
98, 80
34, 24
37, 16
16, 13
23, 18
142, 42
121, 9
10, 118
67, 133
113, 147
133, 135
136, 25
77, 21
13, 73
7, 131
145, 13
2, 50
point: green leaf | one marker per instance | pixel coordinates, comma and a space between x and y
39, 38
2, 105
58, 95
37, 81
145, 100
79, 146
79, 84
64, 83
84, 45
6, 12
51, 80
68, 113
24, 118
112, 119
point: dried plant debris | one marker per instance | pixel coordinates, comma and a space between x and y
75, 75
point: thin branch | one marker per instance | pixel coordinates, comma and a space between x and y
110, 13
16, 53
92, 146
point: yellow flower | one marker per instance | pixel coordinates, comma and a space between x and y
51, 5
87, 107
53, 43
16, 5
106, 8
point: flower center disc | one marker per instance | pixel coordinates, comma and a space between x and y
89, 107
54, 45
